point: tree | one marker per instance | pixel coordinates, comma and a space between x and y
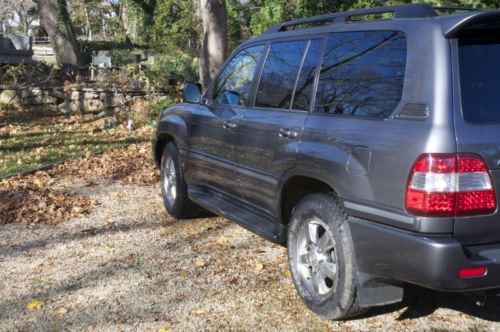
176, 25
270, 12
20, 12
215, 39
55, 19
137, 17
92, 19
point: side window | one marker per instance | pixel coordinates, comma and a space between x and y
305, 84
280, 74
235, 81
362, 74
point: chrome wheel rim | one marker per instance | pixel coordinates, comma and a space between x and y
169, 180
316, 257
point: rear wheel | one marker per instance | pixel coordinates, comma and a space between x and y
173, 186
321, 257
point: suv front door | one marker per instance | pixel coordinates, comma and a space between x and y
214, 127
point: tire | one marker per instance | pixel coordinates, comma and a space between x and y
321, 257
173, 187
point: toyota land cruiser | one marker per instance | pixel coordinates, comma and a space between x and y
367, 142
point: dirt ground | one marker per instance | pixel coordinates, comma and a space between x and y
126, 266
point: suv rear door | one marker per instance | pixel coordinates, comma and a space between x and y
270, 132
477, 118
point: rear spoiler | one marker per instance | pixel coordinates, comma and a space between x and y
452, 28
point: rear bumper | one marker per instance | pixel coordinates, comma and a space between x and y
428, 261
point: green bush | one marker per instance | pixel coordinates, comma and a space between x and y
174, 66
156, 109
121, 57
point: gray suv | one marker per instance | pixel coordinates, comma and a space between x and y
367, 142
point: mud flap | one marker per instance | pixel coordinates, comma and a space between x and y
373, 291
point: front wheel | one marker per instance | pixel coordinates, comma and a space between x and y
173, 186
321, 257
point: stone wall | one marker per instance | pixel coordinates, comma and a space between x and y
74, 100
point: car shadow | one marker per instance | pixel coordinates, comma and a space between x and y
421, 302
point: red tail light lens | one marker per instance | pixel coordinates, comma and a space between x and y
448, 185
473, 272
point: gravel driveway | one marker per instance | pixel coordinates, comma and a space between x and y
128, 266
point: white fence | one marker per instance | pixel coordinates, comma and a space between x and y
43, 51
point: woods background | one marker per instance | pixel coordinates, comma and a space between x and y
178, 33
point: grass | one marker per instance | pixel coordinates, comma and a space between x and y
30, 140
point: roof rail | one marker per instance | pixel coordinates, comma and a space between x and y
420, 10
453, 9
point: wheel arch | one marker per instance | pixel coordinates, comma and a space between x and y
295, 188
161, 141
172, 128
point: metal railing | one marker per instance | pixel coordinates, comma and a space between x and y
42, 47
43, 51
40, 40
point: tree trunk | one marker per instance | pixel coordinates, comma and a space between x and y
23, 21
55, 21
214, 45
87, 23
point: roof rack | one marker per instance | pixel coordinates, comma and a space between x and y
421, 10
453, 9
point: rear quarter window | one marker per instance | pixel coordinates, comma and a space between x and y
362, 74
479, 65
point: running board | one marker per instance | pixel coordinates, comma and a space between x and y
269, 229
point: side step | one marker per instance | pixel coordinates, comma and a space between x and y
269, 229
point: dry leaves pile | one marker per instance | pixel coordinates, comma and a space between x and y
32, 199
35, 199
132, 165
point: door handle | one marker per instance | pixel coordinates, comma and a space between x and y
287, 133
229, 125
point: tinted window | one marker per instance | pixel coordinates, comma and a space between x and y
362, 74
280, 74
480, 78
305, 84
235, 81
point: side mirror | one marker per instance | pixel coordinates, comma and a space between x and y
192, 93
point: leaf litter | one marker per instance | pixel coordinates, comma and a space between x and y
119, 262
45, 198
32, 200
132, 165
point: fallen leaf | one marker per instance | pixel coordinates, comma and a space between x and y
34, 305
222, 241
258, 267
61, 311
200, 312
200, 263
163, 329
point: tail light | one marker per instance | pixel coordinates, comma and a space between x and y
449, 185
472, 272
